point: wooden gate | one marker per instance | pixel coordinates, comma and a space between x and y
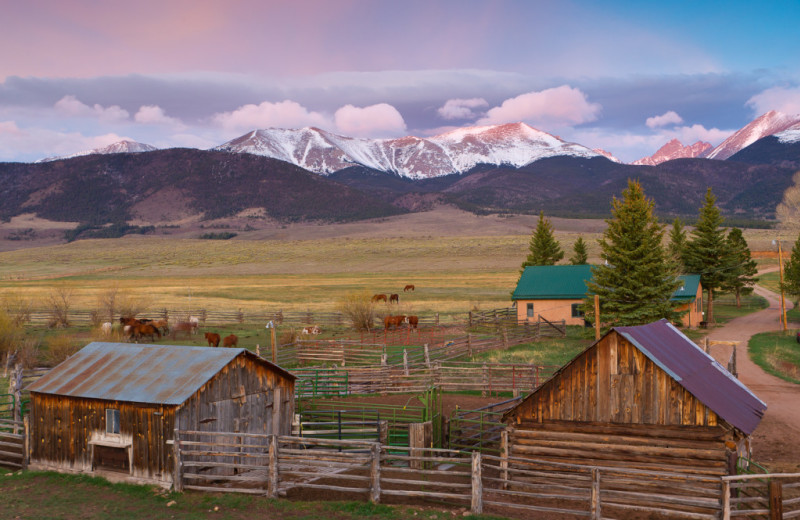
12, 444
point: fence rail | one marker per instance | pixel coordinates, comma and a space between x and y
12, 444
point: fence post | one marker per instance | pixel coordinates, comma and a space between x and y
272, 480
177, 478
485, 380
427, 356
240, 316
477, 485
504, 457
405, 362
375, 475
470, 318
596, 510
735, 371
437, 319
26, 441
469, 340
726, 500
775, 500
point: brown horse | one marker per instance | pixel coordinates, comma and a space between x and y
393, 322
395, 298
213, 339
412, 321
379, 298
185, 327
409, 287
145, 329
230, 341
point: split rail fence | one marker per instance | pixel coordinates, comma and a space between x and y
13, 444
302, 467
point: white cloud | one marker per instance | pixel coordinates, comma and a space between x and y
786, 100
285, 114
155, 115
665, 119
558, 107
71, 106
379, 120
38, 143
691, 134
461, 108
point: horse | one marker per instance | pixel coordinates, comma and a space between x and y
412, 321
395, 298
106, 329
311, 330
378, 298
185, 327
212, 338
230, 341
393, 321
409, 287
162, 325
145, 329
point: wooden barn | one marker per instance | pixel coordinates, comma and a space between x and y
641, 397
112, 408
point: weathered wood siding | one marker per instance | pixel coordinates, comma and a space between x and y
551, 310
61, 428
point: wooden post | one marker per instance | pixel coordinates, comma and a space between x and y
485, 380
775, 500
596, 317
375, 474
26, 441
595, 506
726, 500
274, 345
405, 362
177, 478
427, 355
470, 318
272, 479
706, 346
783, 300
469, 341
735, 370
437, 319
504, 457
477, 485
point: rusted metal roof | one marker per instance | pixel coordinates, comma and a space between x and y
697, 372
161, 374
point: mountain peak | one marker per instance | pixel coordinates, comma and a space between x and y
124, 146
674, 149
767, 124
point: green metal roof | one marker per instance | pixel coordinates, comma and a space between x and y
553, 282
568, 282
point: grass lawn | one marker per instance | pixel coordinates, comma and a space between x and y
777, 353
36, 495
725, 308
551, 351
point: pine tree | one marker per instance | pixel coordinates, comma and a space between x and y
708, 254
677, 244
636, 283
743, 269
580, 255
544, 248
791, 273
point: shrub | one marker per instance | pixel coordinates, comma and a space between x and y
359, 309
58, 303
224, 235
60, 347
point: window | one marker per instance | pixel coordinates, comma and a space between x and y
576, 310
530, 310
112, 420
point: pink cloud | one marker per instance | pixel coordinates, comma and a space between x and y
16, 140
665, 119
786, 100
379, 120
562, 106
71, 106
691, 134
285, 114
155, 115
461, 108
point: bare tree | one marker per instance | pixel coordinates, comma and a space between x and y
359, 308
788, 211
18, 308
58, 303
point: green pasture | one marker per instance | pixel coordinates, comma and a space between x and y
777, 353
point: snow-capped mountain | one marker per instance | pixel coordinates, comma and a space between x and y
123, 146
771, 123
675, 150
457, 151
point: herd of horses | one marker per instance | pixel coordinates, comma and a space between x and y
135, 329
392, 297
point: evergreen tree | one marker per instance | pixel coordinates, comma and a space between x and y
708, 254
637, 281
791, 274
580, 256
544, 248
677, 244
743, 269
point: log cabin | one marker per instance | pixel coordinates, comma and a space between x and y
112, 408
643, 397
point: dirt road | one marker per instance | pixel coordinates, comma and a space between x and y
775, 439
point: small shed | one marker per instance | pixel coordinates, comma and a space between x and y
641, 397
556, 292
112, 408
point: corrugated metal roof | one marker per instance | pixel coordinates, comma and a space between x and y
162, 374
697, 372
553, 282
688, 289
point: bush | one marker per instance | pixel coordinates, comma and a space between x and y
58, 303
60, 347
224, 235
359, 309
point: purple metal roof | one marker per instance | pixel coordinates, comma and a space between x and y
697, 372
162, 374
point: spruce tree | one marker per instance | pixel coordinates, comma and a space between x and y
636, 283
791, 274
743, 269
580, 255
677, 244
544, 248
708, 254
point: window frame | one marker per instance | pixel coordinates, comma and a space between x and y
112, 421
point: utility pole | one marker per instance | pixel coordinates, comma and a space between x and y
783, 300
596, 317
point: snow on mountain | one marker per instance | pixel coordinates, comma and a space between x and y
123, 146
771, 123
790, 135
457, 151
674, 150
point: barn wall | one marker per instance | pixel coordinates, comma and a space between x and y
61, 428
614, 382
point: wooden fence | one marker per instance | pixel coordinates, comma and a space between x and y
13, 444
772, 496
300, 467
479, 429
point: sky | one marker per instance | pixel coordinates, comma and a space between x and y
622, 76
